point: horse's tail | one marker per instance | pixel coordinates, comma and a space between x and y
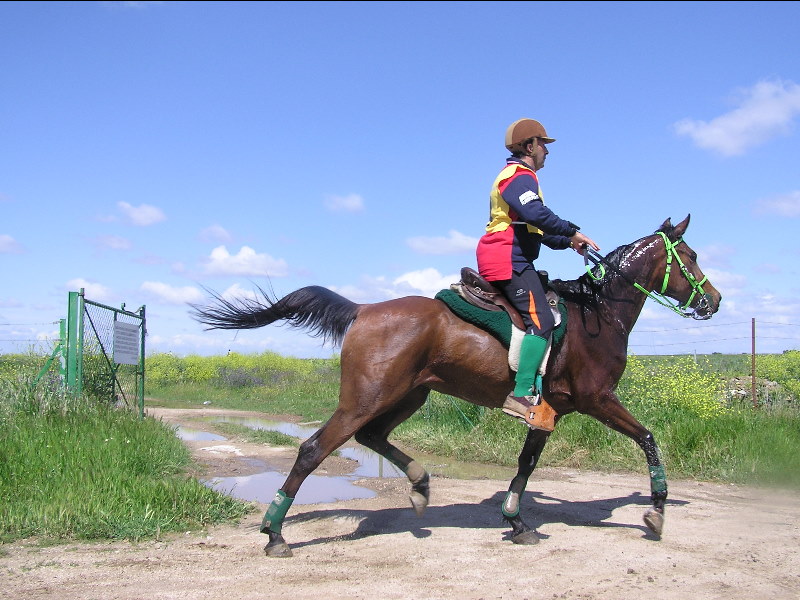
322, 311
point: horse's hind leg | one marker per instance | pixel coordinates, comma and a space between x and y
339, 428
374, 436
526, 463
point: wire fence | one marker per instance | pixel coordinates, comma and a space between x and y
771, 337
768, 337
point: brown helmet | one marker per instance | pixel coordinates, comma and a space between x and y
522, 130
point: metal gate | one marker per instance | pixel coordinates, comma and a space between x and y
101, 352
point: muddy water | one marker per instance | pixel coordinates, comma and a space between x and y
322, 488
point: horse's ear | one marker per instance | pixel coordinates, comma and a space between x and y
666, 225
680, 228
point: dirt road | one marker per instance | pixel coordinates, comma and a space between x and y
720, 542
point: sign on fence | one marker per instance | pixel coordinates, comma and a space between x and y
126, 343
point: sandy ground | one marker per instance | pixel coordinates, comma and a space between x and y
719, 542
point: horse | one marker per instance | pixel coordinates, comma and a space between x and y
393, 353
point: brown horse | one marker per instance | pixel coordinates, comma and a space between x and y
395, 352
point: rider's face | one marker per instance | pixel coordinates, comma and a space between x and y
539, 153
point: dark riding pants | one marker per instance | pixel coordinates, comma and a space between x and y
524, 290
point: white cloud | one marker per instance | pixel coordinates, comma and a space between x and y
426, 282
8, 245
113, 242
769, 268
92, 291
215, 233
246, 263
765, 111
455, 243
170, 294
10, 303
236, 291
715, 255
141, 215
131, 3
727, 284
784, 205
349, 203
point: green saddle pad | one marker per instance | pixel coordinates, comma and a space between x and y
498, 323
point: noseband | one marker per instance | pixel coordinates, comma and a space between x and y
683, 310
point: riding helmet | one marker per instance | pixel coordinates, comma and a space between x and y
522, 130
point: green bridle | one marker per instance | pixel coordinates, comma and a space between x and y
672, 253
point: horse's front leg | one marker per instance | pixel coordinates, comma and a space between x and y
654, 518
526, 463
613, 414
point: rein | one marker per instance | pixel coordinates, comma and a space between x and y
682, 310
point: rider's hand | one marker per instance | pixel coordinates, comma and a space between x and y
579, 242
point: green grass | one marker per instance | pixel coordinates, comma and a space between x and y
264, 382
704, 431
78, 470
256, 436
72, 469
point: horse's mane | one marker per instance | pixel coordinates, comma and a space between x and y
585, 290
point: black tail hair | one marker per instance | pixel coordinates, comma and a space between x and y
322, 311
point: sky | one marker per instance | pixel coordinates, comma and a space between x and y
151, 151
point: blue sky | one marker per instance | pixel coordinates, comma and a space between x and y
151, 148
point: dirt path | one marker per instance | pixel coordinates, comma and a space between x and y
720, 542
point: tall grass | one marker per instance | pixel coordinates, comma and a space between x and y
72, 468
266, 382
703, 430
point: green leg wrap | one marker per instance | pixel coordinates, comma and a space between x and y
531, 354
511, 505
273, 518
658, 479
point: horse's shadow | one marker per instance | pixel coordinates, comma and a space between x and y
484, 515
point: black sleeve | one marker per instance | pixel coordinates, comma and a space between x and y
556, 242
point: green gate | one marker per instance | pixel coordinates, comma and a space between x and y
101, 352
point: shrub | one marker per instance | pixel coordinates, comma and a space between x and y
679, 381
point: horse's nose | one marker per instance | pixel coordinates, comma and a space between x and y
713, 301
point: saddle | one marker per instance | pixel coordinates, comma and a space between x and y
477, 291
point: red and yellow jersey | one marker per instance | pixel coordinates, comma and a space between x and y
519, 222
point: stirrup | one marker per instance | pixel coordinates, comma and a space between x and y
531, 410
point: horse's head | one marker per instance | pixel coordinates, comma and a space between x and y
682, 279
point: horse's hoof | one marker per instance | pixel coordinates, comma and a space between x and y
279, 550
526, 538
654, 521
419, 502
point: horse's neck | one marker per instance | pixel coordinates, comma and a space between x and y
623, 301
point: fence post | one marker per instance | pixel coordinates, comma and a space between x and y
74, 368
62, 358
142, 334
753, 367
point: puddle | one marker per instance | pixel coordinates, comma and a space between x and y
193, 435
293, 429
321, 488
315, 489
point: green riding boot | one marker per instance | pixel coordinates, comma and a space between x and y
525, 402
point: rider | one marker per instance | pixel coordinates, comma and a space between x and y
519, 223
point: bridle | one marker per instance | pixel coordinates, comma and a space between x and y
683, 310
